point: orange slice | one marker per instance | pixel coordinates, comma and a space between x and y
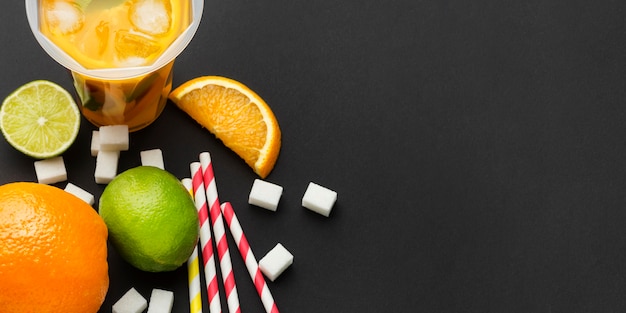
234, 114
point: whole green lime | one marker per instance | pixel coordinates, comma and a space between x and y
151, 217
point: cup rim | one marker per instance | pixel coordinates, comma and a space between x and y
68, 62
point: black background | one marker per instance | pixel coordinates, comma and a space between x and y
477, 148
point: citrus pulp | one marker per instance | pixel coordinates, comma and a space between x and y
40, 119
234, 114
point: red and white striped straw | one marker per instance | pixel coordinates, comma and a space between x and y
219, 233
206, 244
248, 257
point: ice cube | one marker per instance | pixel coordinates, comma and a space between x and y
151, 16
64, 17
132, 62
134, 49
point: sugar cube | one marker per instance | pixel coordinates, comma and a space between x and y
319, 199
95, 143
50, 171
130, 302
106, 166
80, 193
265, 194
152, 157
275, 262
114, 138
161, 301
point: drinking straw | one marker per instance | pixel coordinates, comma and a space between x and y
248, 257
208, 257
193, 268
219, 233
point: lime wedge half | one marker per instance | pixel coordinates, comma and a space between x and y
40, 119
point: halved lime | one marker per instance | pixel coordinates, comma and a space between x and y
40, 119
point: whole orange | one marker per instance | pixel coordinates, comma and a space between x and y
53, 251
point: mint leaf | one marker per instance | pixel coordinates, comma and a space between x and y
82, 4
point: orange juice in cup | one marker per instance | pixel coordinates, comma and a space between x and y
120, 52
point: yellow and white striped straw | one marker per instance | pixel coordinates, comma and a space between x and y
195, 298
193, 268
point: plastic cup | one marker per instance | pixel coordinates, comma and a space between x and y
133, 96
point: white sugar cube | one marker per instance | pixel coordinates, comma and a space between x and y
275, 262
80, 193
161, 301
114, 138
106, 166
319, 199
50, 171
130, 302
152, 157
95, 143
265, 194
